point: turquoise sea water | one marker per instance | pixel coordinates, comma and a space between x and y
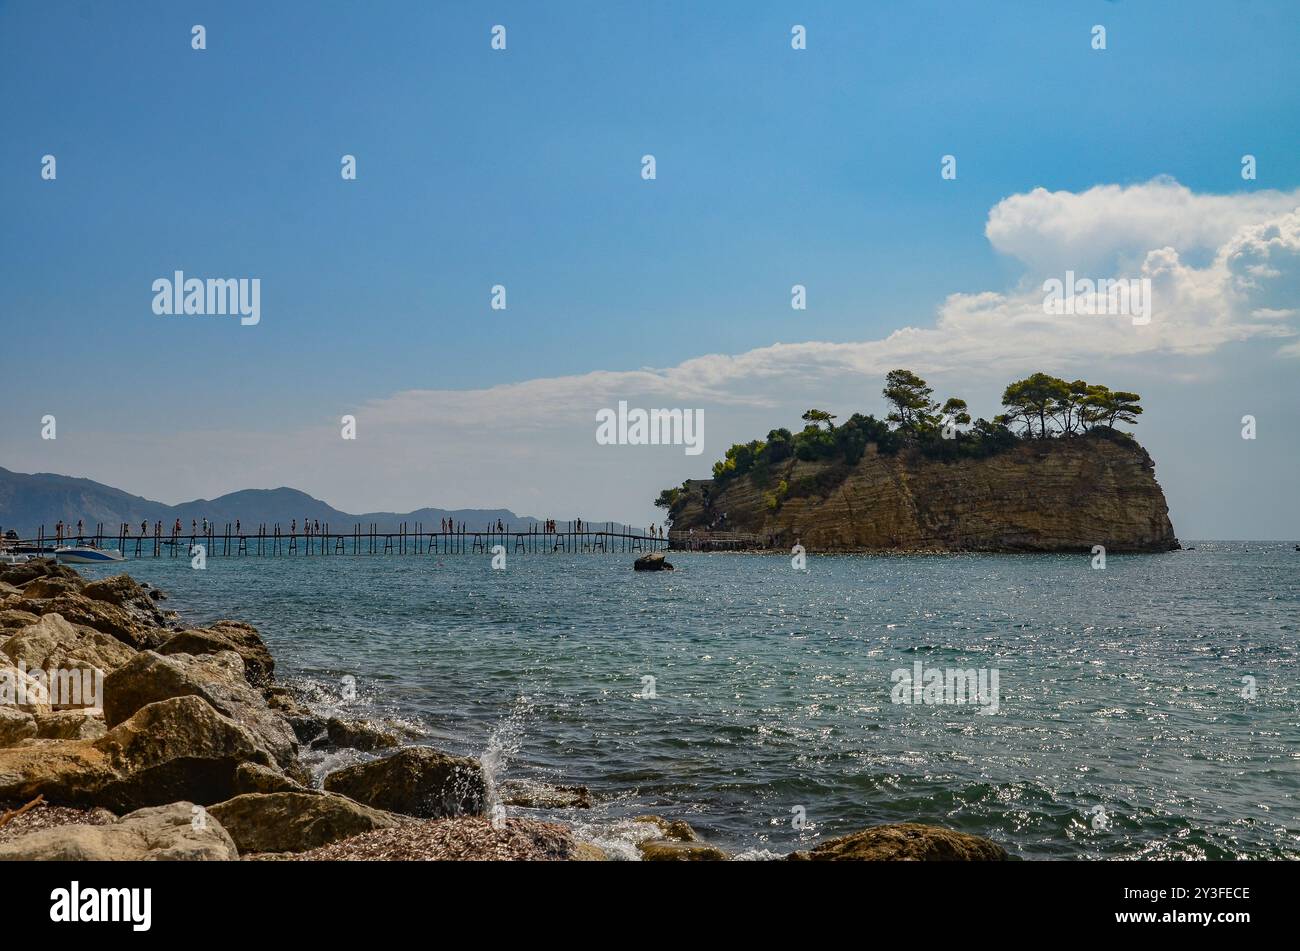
1118, 688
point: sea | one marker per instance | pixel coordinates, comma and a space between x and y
1149, 709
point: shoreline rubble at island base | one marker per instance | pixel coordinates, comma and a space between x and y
195, 752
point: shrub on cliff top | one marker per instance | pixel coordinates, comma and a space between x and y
1041, 406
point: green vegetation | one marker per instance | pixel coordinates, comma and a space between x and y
1038, 407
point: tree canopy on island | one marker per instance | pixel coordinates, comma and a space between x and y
1040, 406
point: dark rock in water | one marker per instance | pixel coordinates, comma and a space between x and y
678, 843
296, 821
905, 842
307, 726
677, 829
417, 781
359, 735
654, 561
534, 795
217, 678
674, 850
253, 778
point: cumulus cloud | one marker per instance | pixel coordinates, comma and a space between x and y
1251, 243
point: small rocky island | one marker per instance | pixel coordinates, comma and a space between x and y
1050, 474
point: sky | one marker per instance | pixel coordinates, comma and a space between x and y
523, 168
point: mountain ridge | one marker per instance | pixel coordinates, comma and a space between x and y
29, 500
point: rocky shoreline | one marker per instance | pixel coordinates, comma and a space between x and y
127, 734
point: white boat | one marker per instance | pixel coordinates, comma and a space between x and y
86, 554
12, 558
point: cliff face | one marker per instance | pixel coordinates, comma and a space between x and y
1041, 495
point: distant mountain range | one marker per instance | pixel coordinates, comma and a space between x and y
29, 501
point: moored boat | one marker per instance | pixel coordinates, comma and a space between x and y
86, 554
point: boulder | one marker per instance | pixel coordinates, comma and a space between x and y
252, 778
218, 678
162, 833
70, 725
19, 575
19, 691
588, 852
177, 749
535, 795
51, 587
655, 561
296, 821
12, 620
8, 590
307, 726
677, 829
15, 726
125, 592
417, 781
674, 850
905, 842
359, 735
100, 615
54, 645
243, 639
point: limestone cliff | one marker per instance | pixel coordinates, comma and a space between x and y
1041, 495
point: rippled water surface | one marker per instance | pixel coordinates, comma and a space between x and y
1120, 689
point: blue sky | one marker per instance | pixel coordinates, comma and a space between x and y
521, 167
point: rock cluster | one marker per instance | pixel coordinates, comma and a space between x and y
191, 742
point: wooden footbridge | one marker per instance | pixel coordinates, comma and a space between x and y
407, 539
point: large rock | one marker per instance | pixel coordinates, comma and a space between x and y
252, 778
19, 691
655, 561
359, 735
296, 821
100, 615
673, 850
243, 639
417, 781
168, 751
15, 726
54, 645
13, 620
677, 842
162, 833
19, 575
534, 795
905, 842
70, 725
52, 587
218, 678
